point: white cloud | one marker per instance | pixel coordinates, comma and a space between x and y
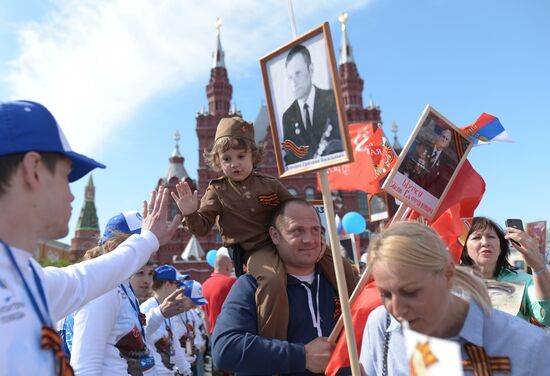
94, 63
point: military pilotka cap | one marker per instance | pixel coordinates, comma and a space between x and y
235, 127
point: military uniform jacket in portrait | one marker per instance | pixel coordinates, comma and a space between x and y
439, 174
243, 210
324, 116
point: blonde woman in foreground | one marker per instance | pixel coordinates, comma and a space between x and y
415, 275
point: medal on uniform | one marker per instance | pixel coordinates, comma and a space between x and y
297, 128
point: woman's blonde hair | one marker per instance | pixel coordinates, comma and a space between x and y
113, 242
93, 253
223, 144
412, 244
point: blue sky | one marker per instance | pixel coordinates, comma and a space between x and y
122, 76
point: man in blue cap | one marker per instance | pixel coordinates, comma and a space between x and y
167, 281
36, 166
192, 331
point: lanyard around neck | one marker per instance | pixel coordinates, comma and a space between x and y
45, 318
135, 305
50, 338
166, 320
187, 324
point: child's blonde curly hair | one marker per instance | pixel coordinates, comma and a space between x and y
223, 144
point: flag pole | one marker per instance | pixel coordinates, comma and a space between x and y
292, 19
340, 277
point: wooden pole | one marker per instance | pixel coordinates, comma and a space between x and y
340, 277
399, 213
354, 249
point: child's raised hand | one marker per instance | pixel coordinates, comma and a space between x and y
187, 201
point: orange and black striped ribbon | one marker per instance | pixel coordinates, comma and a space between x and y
460, 145
483, 365
269, 200
299, 151
142, 319
50, 340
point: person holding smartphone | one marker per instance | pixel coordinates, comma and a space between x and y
487, 248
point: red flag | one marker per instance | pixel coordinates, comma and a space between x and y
461, 200
368, 300
373, 159
383, 158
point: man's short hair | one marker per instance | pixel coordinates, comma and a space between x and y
10, 162
280, 210
157, 285
301, 50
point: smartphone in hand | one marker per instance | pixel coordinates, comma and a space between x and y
517, 224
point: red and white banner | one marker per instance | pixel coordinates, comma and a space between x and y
373, 159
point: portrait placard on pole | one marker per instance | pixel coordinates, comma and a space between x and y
428, 163
378, 207
304, 103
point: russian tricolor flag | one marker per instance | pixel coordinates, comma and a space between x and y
485, 129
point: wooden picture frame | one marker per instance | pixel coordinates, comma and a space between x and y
423, 174
378, 206
305, 143
347, 242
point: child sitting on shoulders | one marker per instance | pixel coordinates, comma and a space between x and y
241, 203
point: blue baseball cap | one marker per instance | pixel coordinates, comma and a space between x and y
128, 222
29, 126
193, 290
169, 273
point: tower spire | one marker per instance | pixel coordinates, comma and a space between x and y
346, 52
396, 145
218, 56
88, 215
218, 90
87, 227
350, 81
176, 167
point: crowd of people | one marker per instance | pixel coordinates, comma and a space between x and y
151, 324
116, 313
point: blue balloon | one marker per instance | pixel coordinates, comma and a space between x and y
211, 257
354, 223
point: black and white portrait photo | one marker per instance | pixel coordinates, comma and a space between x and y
303, 104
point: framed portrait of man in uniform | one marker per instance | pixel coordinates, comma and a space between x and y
304, 104
428, 163
378, 206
